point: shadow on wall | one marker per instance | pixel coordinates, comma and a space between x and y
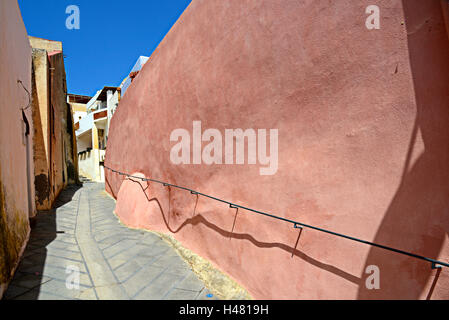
417, 219
418, 215
30, 273
42, 181
200, 219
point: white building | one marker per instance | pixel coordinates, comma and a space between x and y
92, 131
92, 128
133, 73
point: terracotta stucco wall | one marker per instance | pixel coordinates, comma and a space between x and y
363, 143
15, 205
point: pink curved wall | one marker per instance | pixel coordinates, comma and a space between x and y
363, 144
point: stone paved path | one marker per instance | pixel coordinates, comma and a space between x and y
114, 262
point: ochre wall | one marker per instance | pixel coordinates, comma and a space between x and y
54, 148
49, 45
41, 143
15, 208
363, 119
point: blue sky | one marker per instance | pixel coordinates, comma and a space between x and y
112, 35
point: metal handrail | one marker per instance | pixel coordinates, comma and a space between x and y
435, 264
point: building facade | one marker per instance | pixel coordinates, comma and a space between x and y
17, 203
78, 106
92, 132
54, 146
133, 73
92, 118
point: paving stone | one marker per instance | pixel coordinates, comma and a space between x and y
55, 261
191, 282
158, 249
141, 280
88, 294
14, 291
106, 235
143, 251
101, 235
144, 261
36, 294
180, 294
178, 270
108, 242
140, 263
30, 281
61, 262
118, 247
37, 243
124, 254
159, 287
205, 294
59, 288
106, 228
62, 253
149, 239
66, 239
66, 227
66, 232
58, 273
62, 246
37, 258
64, 218
171, 259
116, 262
72, 256
18, 275
125, 271
43, 235
29, 252
106, 223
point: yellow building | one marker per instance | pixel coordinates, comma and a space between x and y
78, 105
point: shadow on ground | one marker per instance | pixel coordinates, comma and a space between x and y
29, 274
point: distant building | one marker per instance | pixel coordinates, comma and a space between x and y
78, 108
92, 129
78, 105
133, 73
92, 118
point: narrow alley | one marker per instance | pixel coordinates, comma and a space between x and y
114, 262
235, 151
